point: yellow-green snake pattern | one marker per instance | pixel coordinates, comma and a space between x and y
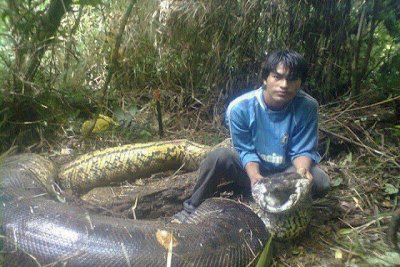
130, 162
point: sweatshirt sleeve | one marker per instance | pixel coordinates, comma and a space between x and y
239, 125
305, 139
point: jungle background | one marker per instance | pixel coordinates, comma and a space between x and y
165, 69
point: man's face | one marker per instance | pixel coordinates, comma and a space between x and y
280, 88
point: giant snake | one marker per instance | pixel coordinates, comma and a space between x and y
38, 229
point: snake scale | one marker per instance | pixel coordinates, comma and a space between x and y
38, 229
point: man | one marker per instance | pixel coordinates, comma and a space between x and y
273, 129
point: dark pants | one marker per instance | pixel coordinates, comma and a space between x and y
224, 163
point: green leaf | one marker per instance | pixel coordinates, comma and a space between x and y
266, 255
119, 114
390, 189
345, 231
347, 160
392, 257
396, 130
388, 259
145, 135
133, 110
338, 181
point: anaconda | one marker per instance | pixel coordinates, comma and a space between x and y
39, 230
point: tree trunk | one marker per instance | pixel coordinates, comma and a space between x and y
374, 23
361, 71
70, 44
355, 63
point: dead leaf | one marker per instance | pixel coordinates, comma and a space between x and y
165, 238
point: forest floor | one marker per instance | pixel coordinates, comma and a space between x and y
361, 155
349, 225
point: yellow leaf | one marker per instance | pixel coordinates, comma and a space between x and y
345, 231
102, 124
165, 238
107, 119
338, 254
387, 204
358, 204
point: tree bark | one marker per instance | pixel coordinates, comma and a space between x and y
374, 23
355, 64
69, 45
361, 71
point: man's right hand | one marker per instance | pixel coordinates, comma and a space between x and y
253, 171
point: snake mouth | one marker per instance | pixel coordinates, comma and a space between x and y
281, 193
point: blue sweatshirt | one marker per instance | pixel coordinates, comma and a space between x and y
273, 138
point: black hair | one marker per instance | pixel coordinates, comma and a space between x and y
297, 65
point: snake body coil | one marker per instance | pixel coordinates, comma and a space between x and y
116, 164
38, 230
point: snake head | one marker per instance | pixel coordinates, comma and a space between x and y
281, 192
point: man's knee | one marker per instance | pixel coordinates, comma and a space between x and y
321, 184
320, 190
221, 155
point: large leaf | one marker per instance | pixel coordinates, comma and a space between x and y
388, 259
390, 189
101, 125
266, 255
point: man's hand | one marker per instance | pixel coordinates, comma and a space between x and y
305, 173
303, 165
253, 171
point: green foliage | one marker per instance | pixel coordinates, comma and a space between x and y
90, 2
130, 125
390, 189
266, 256
396, 130
337, 182
126, 118
389, 258
385, 81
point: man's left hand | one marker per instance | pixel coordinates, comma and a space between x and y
303, 165
305, 173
